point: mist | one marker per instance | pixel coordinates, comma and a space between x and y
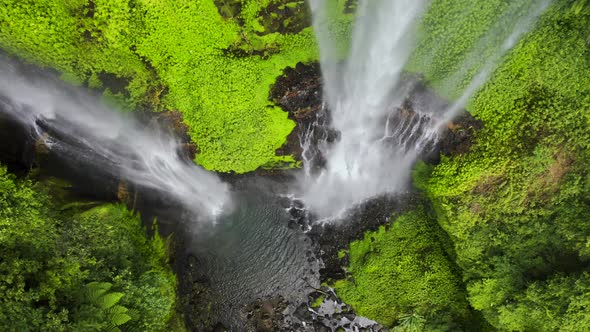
74, 124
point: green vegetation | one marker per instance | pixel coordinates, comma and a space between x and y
516, 206
402, 271
509, 238
215, 64
317, 302
170, 55
70, 270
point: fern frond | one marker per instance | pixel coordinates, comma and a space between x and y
112, 328
119, 319
108, 300
578, 6
134, 313
116, 309
133, 328
94, 290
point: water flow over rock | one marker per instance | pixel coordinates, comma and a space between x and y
379, 137
359, 94
76, 125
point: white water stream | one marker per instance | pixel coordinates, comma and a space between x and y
378, 144
109, 140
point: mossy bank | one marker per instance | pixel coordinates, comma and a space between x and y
213, 61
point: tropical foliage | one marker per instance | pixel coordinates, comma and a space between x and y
402, 276
66, 270
508, 236
516, 206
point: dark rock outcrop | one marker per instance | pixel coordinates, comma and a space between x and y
335, 236
460, 135
299, 93
172, 122
17, 146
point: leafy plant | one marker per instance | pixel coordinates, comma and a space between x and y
98, 295
175, 55
51, 258
404, 268
515, 206
411, 323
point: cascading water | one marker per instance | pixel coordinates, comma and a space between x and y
358, 93
80, 127
379, 139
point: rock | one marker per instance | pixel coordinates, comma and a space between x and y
172, 122
302, 312
299, 93
319, 327
195, 295
17, 148
368, 217
460, 135
266, 314
123, 194
284, 16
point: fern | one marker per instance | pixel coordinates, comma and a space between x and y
108, 300
112, 328
118, 315
98, 295
578, 6
412, 323
119, 319
94, 290
133, 328
133, 313
117, 309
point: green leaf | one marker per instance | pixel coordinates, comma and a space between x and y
112, 328
134, 313
116, 309
119, 319
94, 290
109, 300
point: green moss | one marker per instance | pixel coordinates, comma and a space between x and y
403, 270
175, 55
317, 302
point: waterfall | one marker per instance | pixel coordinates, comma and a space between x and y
74, 124
379, 138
